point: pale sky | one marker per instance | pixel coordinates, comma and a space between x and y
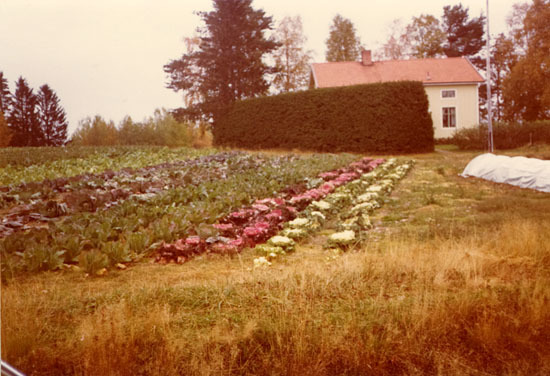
106, 57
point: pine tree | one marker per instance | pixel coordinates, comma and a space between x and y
464, 35
23, 117
228, 65
5, 96
52, 117
342, 44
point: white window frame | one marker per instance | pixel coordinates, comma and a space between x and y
448, 90
443, 117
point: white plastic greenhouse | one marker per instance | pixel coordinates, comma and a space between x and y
520, 171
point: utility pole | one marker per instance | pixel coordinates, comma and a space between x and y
488, 79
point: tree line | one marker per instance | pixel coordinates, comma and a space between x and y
426, 36
28, 118
238, 53
161, 129
38, 119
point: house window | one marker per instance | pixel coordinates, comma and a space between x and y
448, 93
449, 117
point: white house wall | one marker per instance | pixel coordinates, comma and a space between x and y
466, 103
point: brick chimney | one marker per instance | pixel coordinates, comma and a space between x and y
366, 57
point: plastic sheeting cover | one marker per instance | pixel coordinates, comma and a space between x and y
521, 171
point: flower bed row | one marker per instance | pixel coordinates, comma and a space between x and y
257, 223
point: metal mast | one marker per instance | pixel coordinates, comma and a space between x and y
488, 79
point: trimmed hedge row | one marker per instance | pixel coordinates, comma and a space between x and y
505, 135
386, 117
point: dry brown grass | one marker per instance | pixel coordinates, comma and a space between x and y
456, 280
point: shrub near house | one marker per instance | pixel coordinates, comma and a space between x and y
506, 135
388, 117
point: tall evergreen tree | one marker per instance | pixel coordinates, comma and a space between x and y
52, 117
23, 116
228, 65
464, 35
5, 96
342, 44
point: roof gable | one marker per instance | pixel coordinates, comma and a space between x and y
456, 70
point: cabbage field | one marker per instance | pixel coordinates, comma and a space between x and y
95, 209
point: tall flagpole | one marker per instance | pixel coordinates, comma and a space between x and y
488, 79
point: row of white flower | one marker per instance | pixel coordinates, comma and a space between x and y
349, 206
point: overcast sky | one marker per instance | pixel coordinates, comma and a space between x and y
106, 57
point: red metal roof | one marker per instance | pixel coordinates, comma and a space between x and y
456, 70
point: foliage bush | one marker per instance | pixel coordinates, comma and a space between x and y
383, 117
95, 132
505, 135
162, 129
444, 141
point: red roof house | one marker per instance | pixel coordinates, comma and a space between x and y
450, 83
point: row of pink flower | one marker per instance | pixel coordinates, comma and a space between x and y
253, 225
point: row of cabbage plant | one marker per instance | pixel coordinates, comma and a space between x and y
254, 224
102, 159
346, 211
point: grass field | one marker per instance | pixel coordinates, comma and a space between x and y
453, 280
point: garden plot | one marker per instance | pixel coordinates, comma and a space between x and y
273, 225
97, 221
219, 203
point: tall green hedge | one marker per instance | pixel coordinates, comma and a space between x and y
385, 117
505, 135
